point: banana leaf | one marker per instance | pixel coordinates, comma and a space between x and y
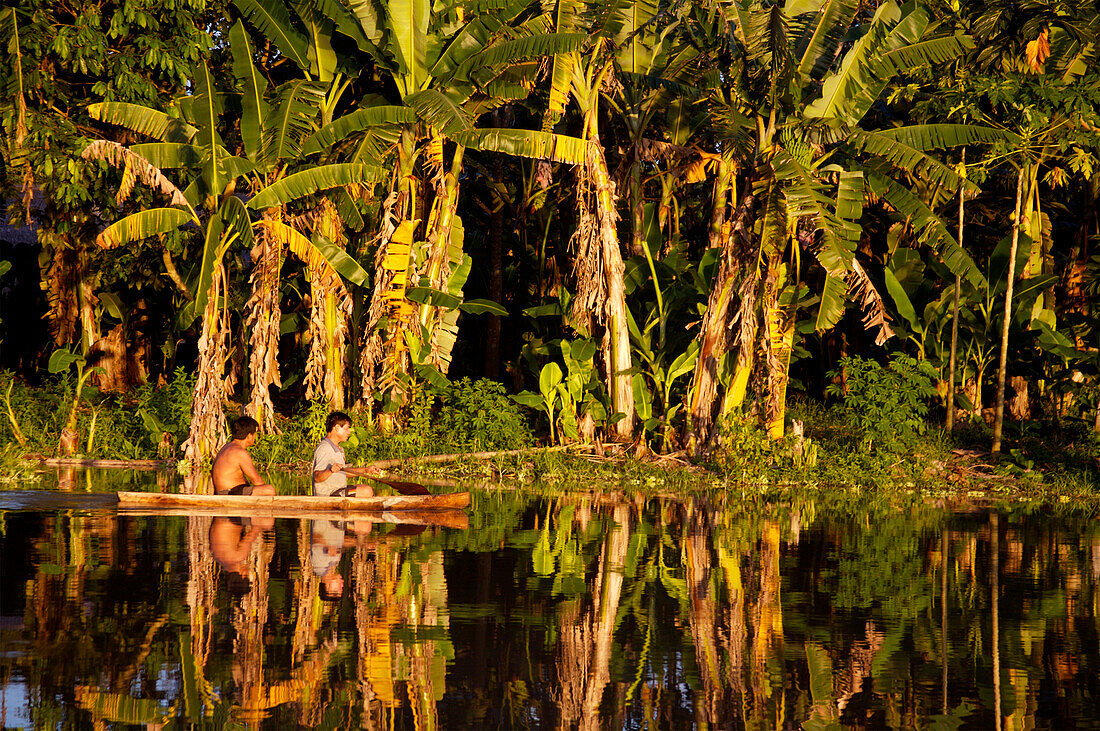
141, 225
143, 120
313, 180
273, 21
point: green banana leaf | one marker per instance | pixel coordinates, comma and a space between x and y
313, 180
141, 225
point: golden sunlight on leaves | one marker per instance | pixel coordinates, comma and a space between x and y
1038, 51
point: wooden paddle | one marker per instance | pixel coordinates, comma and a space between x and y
400, 486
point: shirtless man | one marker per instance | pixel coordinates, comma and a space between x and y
233, 472
330, 469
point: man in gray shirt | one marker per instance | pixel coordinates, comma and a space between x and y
330, 470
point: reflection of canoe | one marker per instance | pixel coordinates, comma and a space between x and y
251, 503
442, 518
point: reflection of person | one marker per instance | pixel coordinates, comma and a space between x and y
233, 472
326, 548
328, 539
231, 542
330, 469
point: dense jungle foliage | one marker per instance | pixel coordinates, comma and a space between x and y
681, 226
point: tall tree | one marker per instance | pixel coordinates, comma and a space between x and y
58, 59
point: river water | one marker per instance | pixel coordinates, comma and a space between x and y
593, 609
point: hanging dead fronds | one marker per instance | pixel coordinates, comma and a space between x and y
863, 291
433, 156
594, 240
262, 320
371, 352
208, 425
120, 157
127, 185
60, 283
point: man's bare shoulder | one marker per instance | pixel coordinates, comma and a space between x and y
231, 452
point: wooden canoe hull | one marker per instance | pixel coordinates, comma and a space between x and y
248, 503
457, 519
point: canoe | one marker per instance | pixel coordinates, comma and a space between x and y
246, 503
458, 519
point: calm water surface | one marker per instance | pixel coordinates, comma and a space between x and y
579, 611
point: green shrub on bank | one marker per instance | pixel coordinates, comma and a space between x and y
479, 416
887, 404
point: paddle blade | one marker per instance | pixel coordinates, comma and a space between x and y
402, 487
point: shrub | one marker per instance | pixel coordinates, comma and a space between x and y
479, 415
888, 404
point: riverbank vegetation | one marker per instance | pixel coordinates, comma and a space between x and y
812, 242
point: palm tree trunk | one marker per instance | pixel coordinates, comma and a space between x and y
998, 418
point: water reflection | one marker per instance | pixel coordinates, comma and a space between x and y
579, 611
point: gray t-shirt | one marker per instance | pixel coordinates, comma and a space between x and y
327, 454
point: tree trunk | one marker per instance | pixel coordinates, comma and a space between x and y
496, 276
600, 288
952, 364
637, 210
705, 405
999, 414
780, 337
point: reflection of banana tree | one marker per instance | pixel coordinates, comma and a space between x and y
586, 634
198, 693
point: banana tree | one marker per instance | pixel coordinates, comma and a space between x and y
582, 75
793, 112
275, 126
446, 73
208, 204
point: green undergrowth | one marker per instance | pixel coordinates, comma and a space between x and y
847, 445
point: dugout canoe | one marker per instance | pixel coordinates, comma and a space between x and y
302, 503
458, 519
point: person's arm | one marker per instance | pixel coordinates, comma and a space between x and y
332, 469
368, 471
250, 471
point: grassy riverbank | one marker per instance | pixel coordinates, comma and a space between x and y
1055, 460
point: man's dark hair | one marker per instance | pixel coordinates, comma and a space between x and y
238, 585
335, 419
329, 596
243, 426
